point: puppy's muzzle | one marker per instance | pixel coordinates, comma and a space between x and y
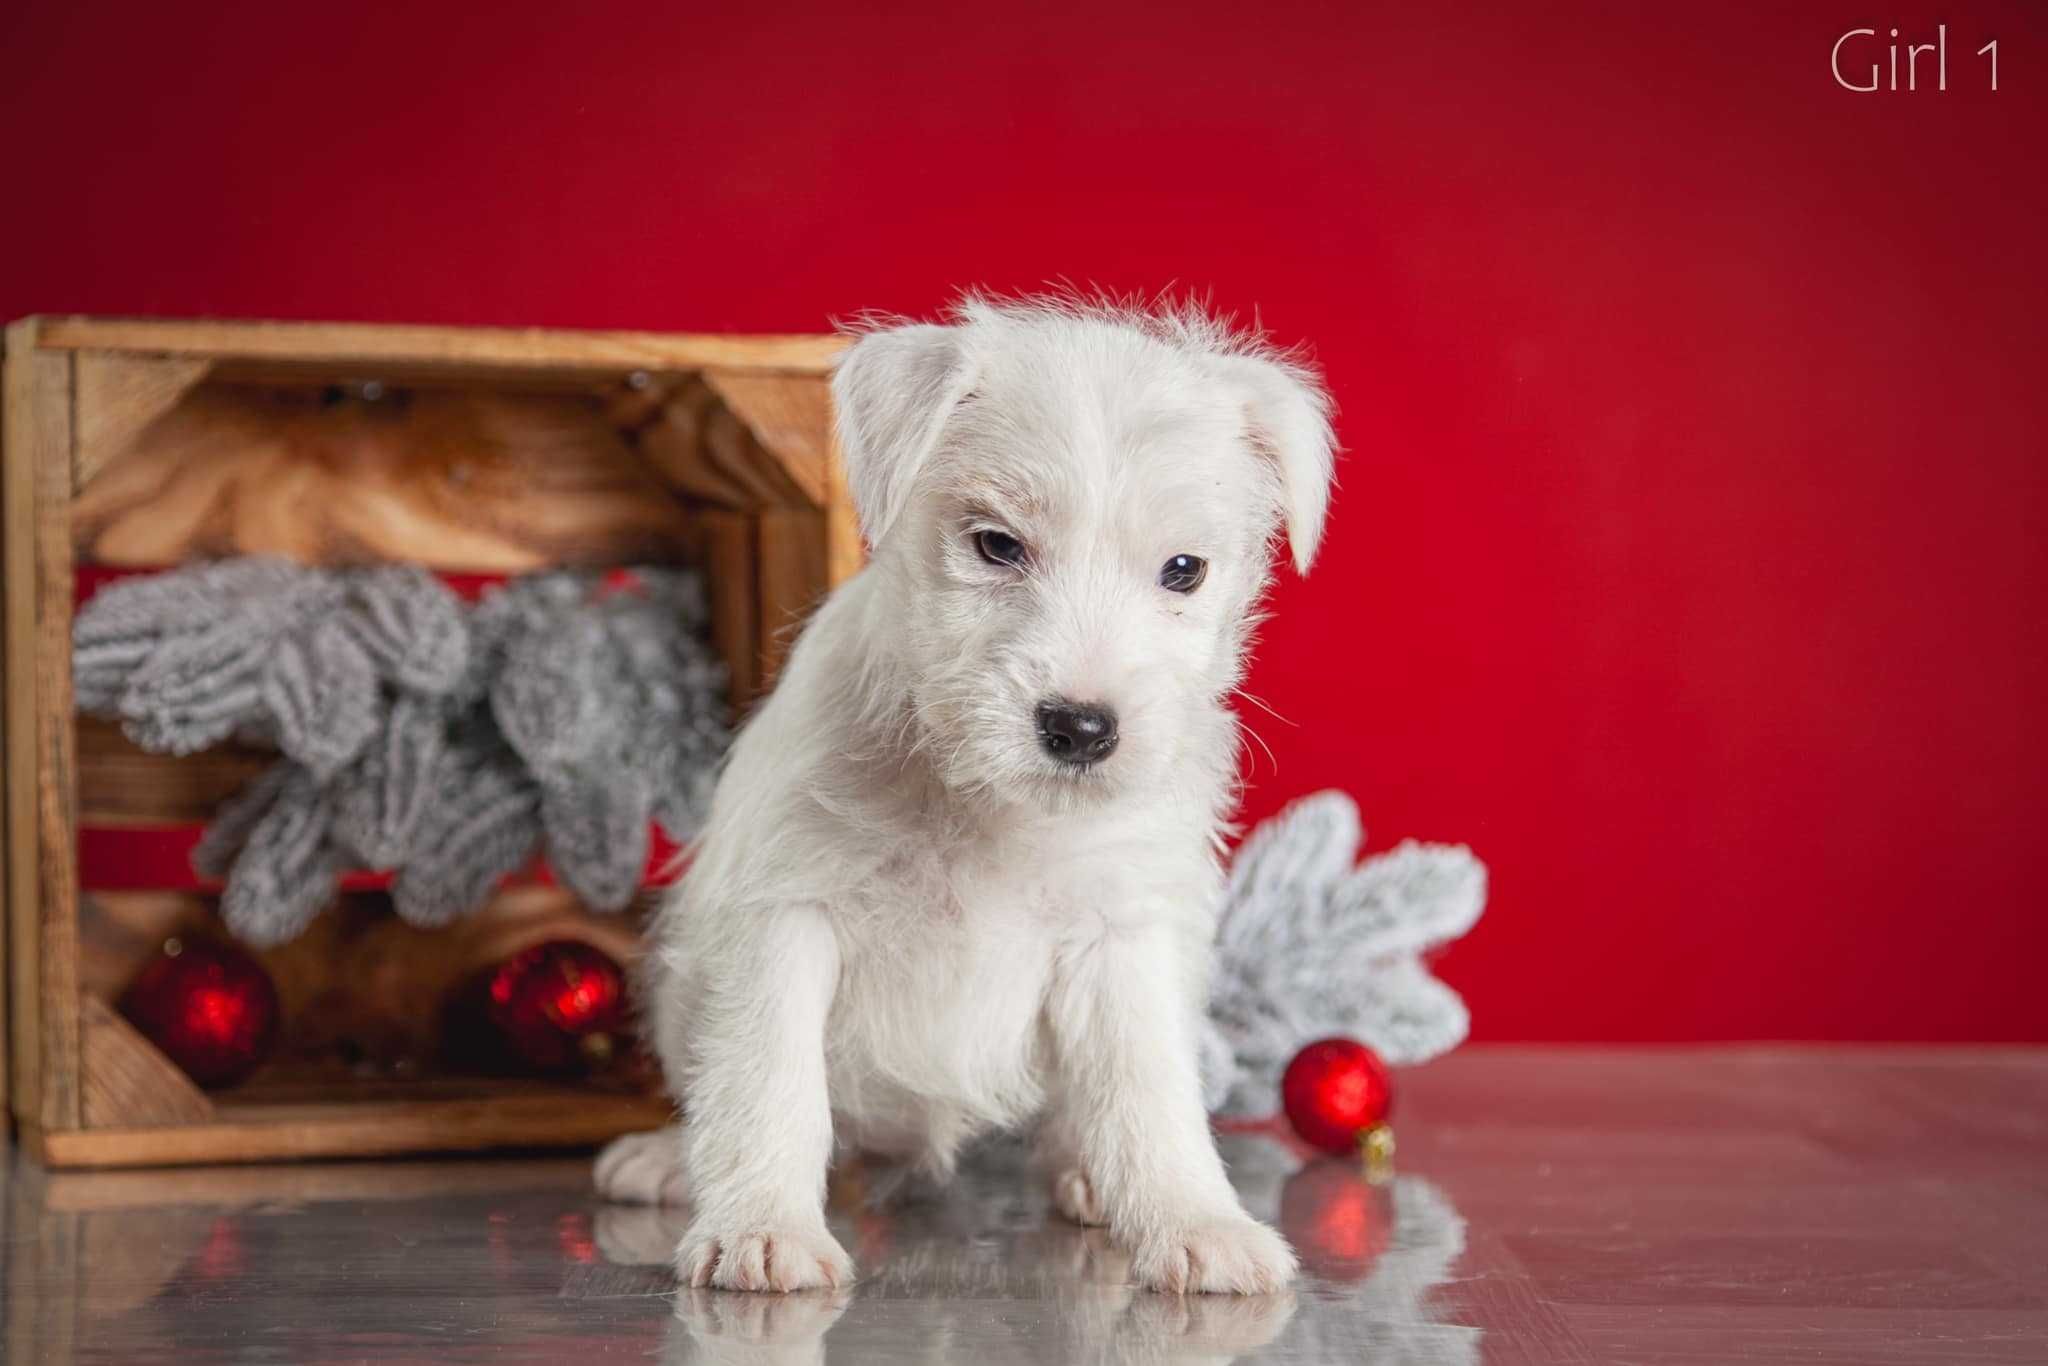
1075, 733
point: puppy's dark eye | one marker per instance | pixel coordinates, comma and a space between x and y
1000, 547
1183, 573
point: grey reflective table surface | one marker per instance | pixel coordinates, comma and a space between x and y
1561, 1205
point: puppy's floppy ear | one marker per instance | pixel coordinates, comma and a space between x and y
1287, 419
892, 393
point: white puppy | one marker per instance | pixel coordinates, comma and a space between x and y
962, 865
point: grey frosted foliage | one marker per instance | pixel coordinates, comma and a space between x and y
444, 742
509, 612
411, 626
122, 627
287, 869
320, 689
616, 705
482, 825
195, 690
178, 658
1313, 943
384, 800
596, 837
674, 695
551, 698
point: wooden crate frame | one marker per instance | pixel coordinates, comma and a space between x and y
78, 391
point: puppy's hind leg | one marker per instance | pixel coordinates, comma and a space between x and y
1073, 1195
643, 1169
1059, 1157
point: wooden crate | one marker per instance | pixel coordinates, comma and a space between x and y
144, 444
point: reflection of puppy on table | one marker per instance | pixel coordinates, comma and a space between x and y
1376, 1252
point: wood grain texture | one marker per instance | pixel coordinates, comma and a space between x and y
42, 864
453, 479
730, 575
546, 1117
672, 443
119, 396
8, 737
345, 344
57, 792
729, 446
792, 560
125, 1081
791, 417
17, 719
122, 784
126, 1190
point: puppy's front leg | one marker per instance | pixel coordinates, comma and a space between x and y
760, 1125
1123, 1012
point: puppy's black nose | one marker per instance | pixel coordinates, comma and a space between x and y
1076, 734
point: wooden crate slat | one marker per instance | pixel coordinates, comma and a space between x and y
374, 343
118, 396
125, 1081
17, 724
133, 1190
735, 612
43, 889
122, 785
675, 446
730, 446
455, 479
562, 1118
791, 557
791, 417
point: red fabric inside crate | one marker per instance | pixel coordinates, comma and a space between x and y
158, 858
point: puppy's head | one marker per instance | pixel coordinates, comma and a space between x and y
1073, 506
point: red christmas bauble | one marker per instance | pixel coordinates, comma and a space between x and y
560, 1005
209, 1006
1336, 1092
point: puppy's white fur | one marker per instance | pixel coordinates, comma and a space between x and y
907, 922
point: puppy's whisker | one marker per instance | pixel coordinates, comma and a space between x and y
1271, 758
1260, 703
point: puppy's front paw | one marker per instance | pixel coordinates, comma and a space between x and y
1073, 1195
1233, 1256
772, 1259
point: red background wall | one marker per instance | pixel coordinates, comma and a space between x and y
1690, 556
